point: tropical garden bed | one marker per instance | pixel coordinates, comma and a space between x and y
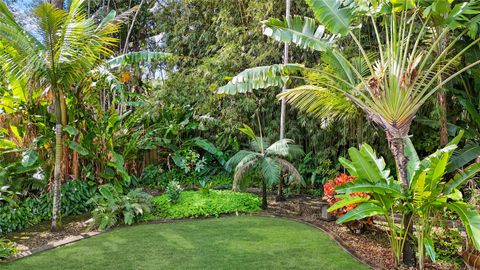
114, 113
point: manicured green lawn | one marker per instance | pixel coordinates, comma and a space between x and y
223, 243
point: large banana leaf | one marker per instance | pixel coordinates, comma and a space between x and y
300, 31
463, 156
136, 58
260, 78
394, 188
460, 178
413, 160
367, 165
362, 211
336, 15
347, 200
470, 219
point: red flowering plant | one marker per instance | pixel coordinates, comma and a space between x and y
331, 197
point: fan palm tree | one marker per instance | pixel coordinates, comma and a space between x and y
66, 48
401, 72
269, 159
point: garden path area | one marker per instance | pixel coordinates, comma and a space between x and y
244, 242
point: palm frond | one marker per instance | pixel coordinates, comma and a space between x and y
295, 178
279, 148
238, 157
271, 170
300, 31
260, 78
321, 102
240, 172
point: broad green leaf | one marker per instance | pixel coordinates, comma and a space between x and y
70, 130
211, 148
7, 144
429, 248
361, 185
300, 31
29, 157
336, 15
413, 161
347, 200
362, 211
470, 219
78, 148
247, 130
260, 78
460, 178
348, 166
462, 157
366, 167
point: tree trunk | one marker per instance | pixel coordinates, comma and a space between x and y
57, 3
57, 175
397, 149
283, 107
442, 104
264, 194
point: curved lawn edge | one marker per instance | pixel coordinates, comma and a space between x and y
87, 235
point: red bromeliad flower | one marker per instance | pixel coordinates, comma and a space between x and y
329, 192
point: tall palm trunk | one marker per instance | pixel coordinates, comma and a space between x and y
442, 105
264, 194
283, 107
57, 175
65, 155
398, 150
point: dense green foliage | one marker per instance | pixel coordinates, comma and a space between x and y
198, 204
112, 206
7, 249
32, 210
239, 242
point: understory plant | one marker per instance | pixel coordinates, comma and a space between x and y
173, 191
269, 159
356, 226
7, 249
113, 207
430, 193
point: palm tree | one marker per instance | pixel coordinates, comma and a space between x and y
67, 47
269, 159
389, 83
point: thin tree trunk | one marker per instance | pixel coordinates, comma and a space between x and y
442, 104
283, 107
65, 155
397, 149
57, 175
264, 194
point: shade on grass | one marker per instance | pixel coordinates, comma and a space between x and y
224, 243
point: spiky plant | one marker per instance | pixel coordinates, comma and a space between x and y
66, 48
271, 160
402, 71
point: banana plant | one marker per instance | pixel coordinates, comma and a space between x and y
69, 45
385, 194
402, 70
430, 192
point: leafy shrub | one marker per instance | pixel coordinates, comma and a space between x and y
196, 204
33, 210
356, 226
448, 243
7, 249
205, 186
173, 191
112, 206
152, 176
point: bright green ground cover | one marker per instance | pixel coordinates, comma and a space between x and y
225, 243
197, 204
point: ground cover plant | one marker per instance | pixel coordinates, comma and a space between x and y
200, 204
